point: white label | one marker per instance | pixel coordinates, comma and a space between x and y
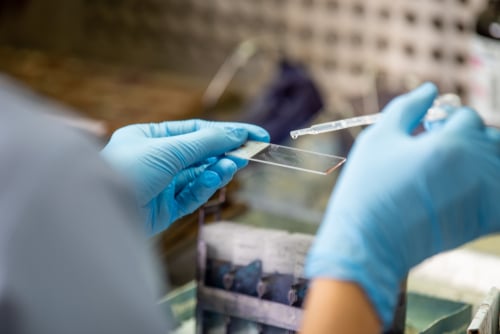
220, 239
302, 244
484, 92
249, 149
248, 247
279, 254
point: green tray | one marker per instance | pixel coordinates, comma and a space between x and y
431, 315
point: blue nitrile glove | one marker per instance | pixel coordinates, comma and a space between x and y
402, 198
175, 167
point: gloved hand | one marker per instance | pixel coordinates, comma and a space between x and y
402, 198
175, 167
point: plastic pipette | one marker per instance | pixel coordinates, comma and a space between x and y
439, 111
336, 125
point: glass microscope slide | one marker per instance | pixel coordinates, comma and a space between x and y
288, 157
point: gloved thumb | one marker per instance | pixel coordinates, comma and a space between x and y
462, 119
186, 150
406, 111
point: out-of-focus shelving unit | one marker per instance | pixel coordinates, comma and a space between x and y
340, 40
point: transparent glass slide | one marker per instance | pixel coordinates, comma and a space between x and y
288, 157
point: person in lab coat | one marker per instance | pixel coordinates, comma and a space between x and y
74, 221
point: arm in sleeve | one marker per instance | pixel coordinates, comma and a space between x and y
72, 258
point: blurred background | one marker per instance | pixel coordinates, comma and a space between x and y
283, 64
340, 41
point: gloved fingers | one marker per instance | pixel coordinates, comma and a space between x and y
187, 176
493, 134
406, 111
184, 151
254, 132
225, 168
176, 128
463, 118
198, 192
205, 185
206, 162
240, 163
